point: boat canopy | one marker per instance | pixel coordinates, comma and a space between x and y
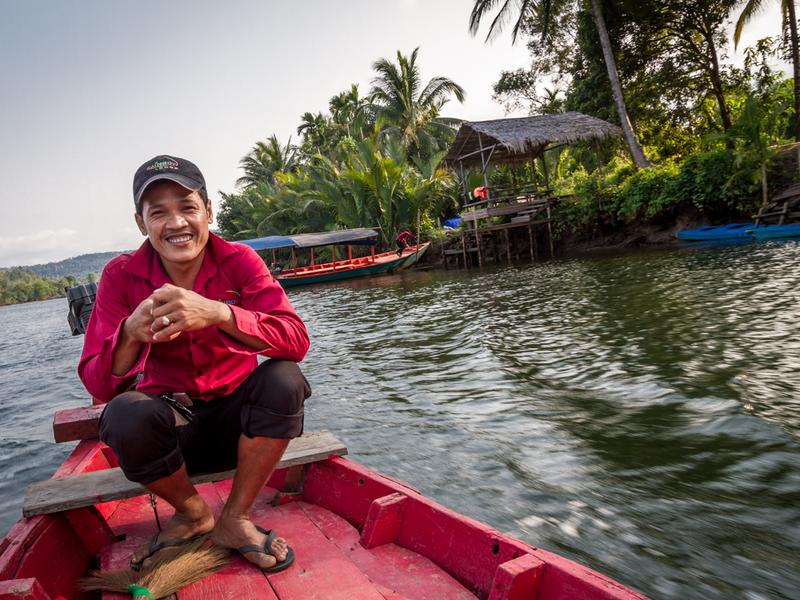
365, 237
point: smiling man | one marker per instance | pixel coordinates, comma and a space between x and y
171, 347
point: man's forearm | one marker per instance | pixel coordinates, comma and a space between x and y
228, 325
126, 354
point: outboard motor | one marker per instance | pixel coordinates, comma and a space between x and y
81, 303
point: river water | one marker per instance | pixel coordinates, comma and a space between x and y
637, 412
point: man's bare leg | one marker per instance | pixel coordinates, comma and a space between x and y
192, 515
257, 459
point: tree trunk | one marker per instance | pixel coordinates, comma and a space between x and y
796, 65
616, 88
716, 80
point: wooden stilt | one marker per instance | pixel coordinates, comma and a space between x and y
464, 246
478, 238
535, 242
508, 246
550, 231
530, 240
484, 165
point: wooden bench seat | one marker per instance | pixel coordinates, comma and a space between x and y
86, 489
73, 424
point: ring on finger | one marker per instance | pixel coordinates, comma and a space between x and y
165, 321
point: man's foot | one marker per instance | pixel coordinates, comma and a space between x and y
235, 532
182, 527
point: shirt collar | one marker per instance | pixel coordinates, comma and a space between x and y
145, 264
217, 250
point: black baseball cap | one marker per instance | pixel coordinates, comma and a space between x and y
172, 168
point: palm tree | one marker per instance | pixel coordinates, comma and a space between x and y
749, 10
351, 112
314, 129
543, 9
407, 110
266, 159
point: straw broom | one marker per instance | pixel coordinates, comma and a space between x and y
169, 571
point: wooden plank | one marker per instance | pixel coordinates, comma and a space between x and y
76, 423
320, 571
85, 489
397, 572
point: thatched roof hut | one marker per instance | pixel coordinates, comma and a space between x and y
523, 138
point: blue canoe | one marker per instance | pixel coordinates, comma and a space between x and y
732, 231
774, 232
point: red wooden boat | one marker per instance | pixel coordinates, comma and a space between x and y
345, 268
357, 535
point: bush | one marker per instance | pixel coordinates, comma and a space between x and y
649, 192
715, 182
718, 183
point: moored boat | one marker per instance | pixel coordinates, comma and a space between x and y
731, 231
357, 534
775, 232
335, 270
740, 232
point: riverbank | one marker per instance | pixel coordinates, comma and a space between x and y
611, 236
19, 285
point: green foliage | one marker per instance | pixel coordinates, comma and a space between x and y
715, 182
649, 192
371, 162
718, 183
23, 285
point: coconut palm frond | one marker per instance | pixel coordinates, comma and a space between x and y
440, 87
750, 9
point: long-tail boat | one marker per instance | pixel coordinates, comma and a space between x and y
357, 534
346, 267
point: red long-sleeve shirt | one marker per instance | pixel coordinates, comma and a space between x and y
206, 363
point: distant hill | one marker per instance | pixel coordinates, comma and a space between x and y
78, 266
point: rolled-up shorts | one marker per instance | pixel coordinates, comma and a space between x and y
152, 441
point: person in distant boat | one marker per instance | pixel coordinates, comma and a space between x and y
275, 268
189, 313
402, 241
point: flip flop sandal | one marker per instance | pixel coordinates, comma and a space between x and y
267, 549
154, 546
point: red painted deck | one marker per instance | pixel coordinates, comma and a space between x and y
330, 563
357, 535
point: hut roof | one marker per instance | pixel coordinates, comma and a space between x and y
524, 137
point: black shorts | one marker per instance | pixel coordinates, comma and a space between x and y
152, 441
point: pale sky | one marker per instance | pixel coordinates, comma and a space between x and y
90, 89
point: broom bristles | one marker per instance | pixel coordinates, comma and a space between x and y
170, 570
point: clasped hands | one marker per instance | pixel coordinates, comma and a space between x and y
170, 310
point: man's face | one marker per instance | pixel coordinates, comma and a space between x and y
175, 220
